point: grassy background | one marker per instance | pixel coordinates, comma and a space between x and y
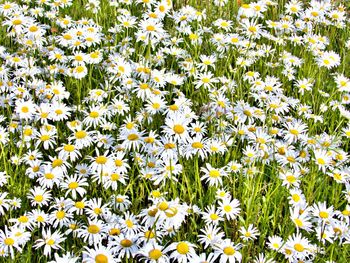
263, 199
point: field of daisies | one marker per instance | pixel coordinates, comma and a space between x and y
164, 131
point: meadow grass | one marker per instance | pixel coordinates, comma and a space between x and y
263, 199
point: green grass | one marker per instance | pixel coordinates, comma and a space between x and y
264, 201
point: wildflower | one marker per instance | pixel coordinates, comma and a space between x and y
228, 251
211, 235
182, 251
39, 196
25, 109
124, 245
322, 213
212, 216
229, 208
299, 246
322, 159
74, 185
206, 80
98, 254
249, 233
92, 232
213, 175
154, 253
9, 242
49, 241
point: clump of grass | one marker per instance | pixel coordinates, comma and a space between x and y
174, 131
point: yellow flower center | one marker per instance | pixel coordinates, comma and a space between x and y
299, 247
133, 137
126, 243
129, 223
93, 229
94, 114
182, 248
323, 214
17, 22
114, 231
28, 132
115, 177
252, 29
80, 134
40, 219
156, 105
294, 131
58, 111
291, 178
69, 148
23, 219
79, 69
346, 212
171, 212
294, 9
100, 258
227, 208
321, 161
261, 140
224, 24
337, 231
229, 251
155, 254
295, 197
168, 146
9, 241
67, 37
197, 145
50, 242
214, 173
163, 206
173, 107
33, 29
60, 214
298, 222
73, 185
79, 58
193, 36
291, 159
25, 109
101, 159
149, 140
119, 200
152, 212
247, 113
45, 138
97, 210
179, 129
214, 217
144, 86
205, 80
79, 205
149, 234
38, 198
118, 162
150, 28
94, 55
